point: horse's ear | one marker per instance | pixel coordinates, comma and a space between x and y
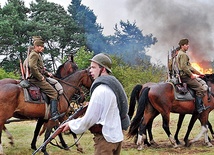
72, 58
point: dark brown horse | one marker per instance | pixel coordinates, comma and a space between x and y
12, 99
159, 98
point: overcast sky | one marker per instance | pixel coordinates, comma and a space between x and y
168, 20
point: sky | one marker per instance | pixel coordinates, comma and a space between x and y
167, 20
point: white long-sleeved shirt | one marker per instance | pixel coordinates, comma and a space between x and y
102, 109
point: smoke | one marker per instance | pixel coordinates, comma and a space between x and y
173, 20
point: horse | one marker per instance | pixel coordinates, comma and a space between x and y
159, 98
13, 104
63, 70
134, 97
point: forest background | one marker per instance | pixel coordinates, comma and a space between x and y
74, 32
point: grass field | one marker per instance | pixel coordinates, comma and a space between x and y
23, 133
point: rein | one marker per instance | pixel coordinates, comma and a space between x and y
77, 88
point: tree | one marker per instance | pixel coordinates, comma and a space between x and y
56, 27
82, 58
92, 31
14, 33
130, 43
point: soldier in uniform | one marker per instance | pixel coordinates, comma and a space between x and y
38, 76
191, 76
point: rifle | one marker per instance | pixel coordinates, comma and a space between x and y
21, 68
27, 69
168, 67
76, 114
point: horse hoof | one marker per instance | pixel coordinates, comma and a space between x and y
175, 146
209, 144
139, 148
153, 143
188, 144
33, 147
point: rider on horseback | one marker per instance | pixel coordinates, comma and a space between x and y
38, 76
191, 76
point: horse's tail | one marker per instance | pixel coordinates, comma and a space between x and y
134, 95
143, 100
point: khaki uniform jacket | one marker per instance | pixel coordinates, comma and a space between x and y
36, 65
184, 65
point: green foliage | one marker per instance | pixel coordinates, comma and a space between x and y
129, 76
82, 58
4, 74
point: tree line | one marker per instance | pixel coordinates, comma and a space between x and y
74, 31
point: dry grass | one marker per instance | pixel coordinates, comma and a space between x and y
23, 133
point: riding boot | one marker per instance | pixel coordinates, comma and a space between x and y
54, 112
199, 105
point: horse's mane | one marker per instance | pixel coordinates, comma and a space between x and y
57, 74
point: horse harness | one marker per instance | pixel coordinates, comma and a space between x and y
183, 92
34, 95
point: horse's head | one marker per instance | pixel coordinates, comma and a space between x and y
87, 79
66, 69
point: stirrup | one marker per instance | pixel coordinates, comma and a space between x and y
203, 109
207, 107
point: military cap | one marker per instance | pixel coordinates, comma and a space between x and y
38, 42
183, 42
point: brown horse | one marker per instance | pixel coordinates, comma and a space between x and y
159, 98
12, 99
63, 70
134, 97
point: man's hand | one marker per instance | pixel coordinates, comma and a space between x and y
201, 76
64, 127
50, 74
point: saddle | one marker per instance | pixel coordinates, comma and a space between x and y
33, 94
181, 91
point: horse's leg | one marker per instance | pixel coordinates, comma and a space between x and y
141, 136
166, 129
62, 141
9, 135
1, 147
190, 126
207, 139
39, 124
47, 134
146, 124
180, 121
149, 130
204, 130
211, 128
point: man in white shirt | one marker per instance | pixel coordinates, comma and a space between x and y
106, 115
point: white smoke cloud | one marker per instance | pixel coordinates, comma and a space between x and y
173, 20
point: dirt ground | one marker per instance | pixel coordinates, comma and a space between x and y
165, 147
